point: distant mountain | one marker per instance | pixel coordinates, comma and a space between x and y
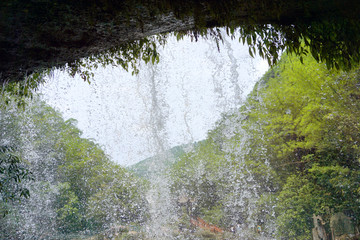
159, 163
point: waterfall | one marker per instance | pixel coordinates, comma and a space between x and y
173, 104
161, 210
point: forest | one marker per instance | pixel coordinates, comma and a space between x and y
54, 183
288, 158
285, 165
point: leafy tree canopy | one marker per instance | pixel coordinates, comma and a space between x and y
289, 153
72, 178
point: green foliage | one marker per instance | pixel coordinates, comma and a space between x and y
70, 173
12, 172
105, 193
127, 55
295, 208
308, 116
19, 92
329, 39
67, 205
144, 169
339, 187
325, 190
196, 177
298, 108
214, 215
291, 151
120, 202
325, 40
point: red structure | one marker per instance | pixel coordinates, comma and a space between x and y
198, 222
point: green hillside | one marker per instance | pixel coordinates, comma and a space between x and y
286, 164
158, 163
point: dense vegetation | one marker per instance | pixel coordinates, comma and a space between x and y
73, 186
290, 153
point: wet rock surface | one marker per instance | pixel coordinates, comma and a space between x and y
44, 35
37, 35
